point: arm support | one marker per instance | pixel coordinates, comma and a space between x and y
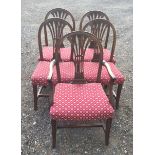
52, 63
109, 70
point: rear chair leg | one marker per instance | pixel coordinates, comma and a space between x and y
54, 129
119, 89
107, 131
35, 97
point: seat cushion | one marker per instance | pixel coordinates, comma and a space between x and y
67, 71
40, 74
48, 53
91, 70
80, 102
89, 55
90, 73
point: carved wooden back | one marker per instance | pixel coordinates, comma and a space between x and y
56, 28
59, 13
101, 29
80, 41
91, 15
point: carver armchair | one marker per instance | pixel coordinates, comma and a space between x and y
67, 69
80, 101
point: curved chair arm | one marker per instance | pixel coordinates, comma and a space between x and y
52, 63
109, 70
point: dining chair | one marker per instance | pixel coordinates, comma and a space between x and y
80, 101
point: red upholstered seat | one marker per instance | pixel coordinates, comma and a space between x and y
90, 72
40, 74
89, 55
80, 102
91, 69
67, 71
48, 53
66, 53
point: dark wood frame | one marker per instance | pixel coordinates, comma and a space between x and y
56, 26
91, 15
106, 129
55, 32
58, 13
101, 28
79, 46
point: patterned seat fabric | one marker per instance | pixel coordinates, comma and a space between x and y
90, 73
48, 53
106, 56
91, 69
67, 71
80, 102
40, 74
66, 53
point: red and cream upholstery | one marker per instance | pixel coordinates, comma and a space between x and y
91, 69
80, 102
67, 71
66, 53
90, 72
40, 74
89, 55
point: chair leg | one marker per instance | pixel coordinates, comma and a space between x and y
119, 89
107, 131
110, 92
35, 97
54, 129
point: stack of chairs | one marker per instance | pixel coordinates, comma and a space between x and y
80, 67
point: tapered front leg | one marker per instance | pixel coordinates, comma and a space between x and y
54, 129
35, 97
119, 89
107, 131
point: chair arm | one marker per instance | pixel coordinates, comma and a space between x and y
109, 70
52, 63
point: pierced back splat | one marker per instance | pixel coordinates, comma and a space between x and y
56, 28
59, 13
91, 15
101, 29
80, 41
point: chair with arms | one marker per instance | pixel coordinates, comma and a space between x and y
80, 101
67, 69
